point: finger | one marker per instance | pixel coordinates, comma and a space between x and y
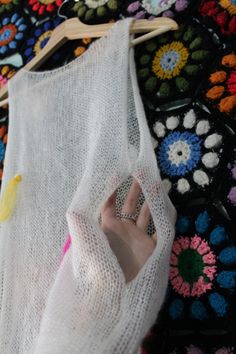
109, 208
144, 217
132, 198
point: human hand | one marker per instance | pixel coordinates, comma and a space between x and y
127, 237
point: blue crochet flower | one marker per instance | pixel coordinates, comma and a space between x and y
179, 153
38, 38
12, 30
203, 269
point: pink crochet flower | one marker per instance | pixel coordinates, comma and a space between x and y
192, 266
195, 242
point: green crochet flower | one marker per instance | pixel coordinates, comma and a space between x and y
96, 10
8, 5
172, 63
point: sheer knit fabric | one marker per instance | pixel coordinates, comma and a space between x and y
76, 134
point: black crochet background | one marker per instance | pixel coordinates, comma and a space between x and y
187, 81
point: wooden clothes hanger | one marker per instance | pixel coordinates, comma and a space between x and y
74, 29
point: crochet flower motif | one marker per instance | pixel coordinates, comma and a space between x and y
179, 153
43, 8
150, 9
192, 266
232, 196
222, 12
8, 5
12, 30
222, 85
232, 170
96, 10
38, 38
3, 142
6, 72
169, 60
171, 64
203, 261
188, 150
228, 187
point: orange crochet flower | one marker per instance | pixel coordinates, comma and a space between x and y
224, 94
87, 40
227, 104
218, 77
215, 92
229, 60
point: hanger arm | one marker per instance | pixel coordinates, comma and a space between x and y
75, 29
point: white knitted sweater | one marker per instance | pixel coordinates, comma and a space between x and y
76, 133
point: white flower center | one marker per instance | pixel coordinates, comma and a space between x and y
179, 152
169, 60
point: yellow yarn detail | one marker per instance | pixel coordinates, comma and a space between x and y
160, 61
37, 46
8, 199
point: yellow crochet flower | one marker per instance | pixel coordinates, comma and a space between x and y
43, 37
169, 60
229, 5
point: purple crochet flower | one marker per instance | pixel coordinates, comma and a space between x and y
232, 196
181, 5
